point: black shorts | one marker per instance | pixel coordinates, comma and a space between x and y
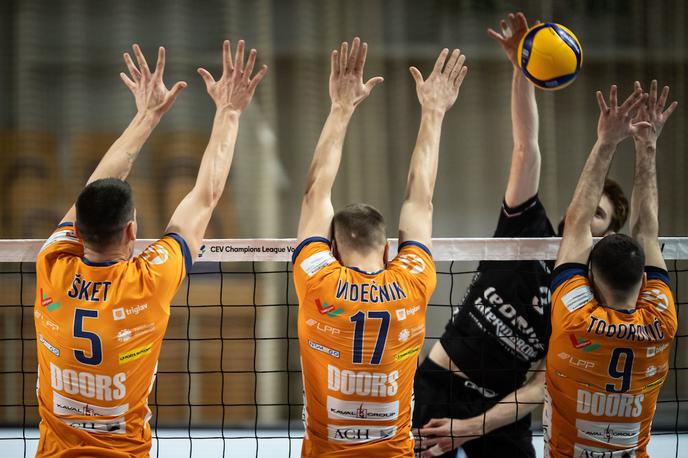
440, 394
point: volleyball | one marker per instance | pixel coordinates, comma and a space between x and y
550, 56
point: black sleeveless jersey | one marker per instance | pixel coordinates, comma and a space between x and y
502, 324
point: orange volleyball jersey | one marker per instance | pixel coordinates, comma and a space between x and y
99, 328
605, 367
360, 335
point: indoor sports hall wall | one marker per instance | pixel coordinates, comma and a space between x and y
62, 103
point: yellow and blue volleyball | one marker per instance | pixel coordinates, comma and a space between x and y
550, 55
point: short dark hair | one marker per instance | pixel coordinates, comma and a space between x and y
360, 227
619, 261
612, 189
103, 210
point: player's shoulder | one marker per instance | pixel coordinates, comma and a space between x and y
312, 256
63, 241
169, 251
413, 257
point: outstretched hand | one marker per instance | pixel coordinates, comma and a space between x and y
616, 122
149, 90
511, 35
347, 88
235, 88
442, 435
440, 90
653, 112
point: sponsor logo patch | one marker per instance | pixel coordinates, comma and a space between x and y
585, 344
577, 298
122, 313
323, 348
134, 354
412, 262
617, 434
401, 314
316, 262
654, 351
63, 405
405, 354
55, 351
321, 327
156, 255
47, 302
339, 409
652, 385
327, 309
585, 451
359, 433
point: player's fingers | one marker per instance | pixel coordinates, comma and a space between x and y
143, 65
512, 22
227, 66
632, 99
258, 78
613, 97
334, 62
451, 62
250, 63
460, 77
652, 101
360, 60
372, 82
351, 63
177, 88
133, 71
663, 98
521, 21
600, 101
207, 77
427, 442
441, 59
239, 57
504, 26
127, 82
635, 103
343, 56
669, 110
415, 73
160, 64
495, 36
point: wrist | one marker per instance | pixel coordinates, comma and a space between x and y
148, 117
342, 109
434, 114
647, 144
607, 144
476, 426
228, 113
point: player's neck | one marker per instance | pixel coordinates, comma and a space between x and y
617, 304
369, 263
116, 254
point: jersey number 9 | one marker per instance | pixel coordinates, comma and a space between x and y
624, 374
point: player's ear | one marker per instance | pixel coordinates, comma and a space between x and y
130, 231
385, 256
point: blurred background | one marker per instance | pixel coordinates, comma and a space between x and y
62, 104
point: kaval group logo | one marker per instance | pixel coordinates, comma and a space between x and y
586, 344
327, 309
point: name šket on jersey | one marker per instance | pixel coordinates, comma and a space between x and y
360, 335
99, 328
605, 367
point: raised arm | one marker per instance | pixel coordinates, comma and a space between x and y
441, 435
347, 90
524, 175
436, 95
644, 201
153, 99
614, 125
231, 93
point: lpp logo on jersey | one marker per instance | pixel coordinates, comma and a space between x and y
412, 262
156, 255
585, 344
327, 309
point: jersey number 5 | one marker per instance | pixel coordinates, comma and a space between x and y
96, 346
359, 319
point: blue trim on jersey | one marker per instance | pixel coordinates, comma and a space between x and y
185, 250
418, 244
65, 224
305, 242
364, 271
657, 273
98, 264
566, 272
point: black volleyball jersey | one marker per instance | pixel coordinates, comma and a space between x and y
501, 326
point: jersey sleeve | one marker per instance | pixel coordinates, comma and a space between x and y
657, 300
415, 262
63, 241
572, 297
528, 219
312, 260
164, 265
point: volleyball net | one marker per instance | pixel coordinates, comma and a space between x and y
229, 380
